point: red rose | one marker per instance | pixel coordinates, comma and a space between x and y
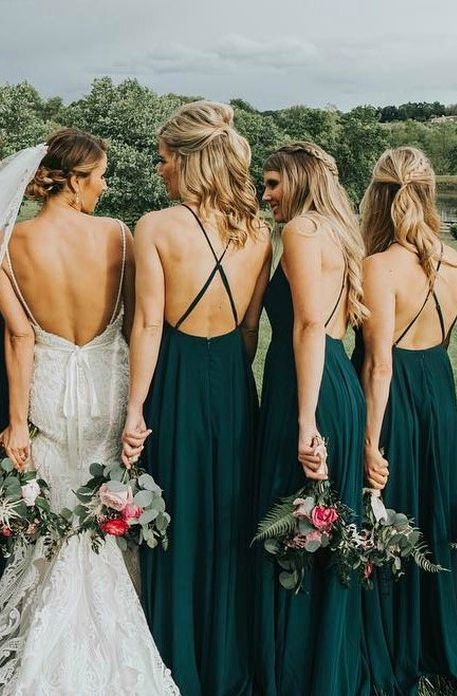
7, 532
323, 518
116, 527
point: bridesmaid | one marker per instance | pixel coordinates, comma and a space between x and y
310, 643
202, 267
410, 284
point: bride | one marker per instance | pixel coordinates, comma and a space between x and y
74, 625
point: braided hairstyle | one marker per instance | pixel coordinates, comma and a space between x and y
213, 167
311, 186
70, 152
399, 206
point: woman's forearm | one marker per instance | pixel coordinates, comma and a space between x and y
309, 352
376, 378
19, 363
144, 350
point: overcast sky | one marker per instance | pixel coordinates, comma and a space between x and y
273, 53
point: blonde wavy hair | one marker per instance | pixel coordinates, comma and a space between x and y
310, 185
399, 206
213, 167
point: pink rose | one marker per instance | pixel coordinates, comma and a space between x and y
368, 571
313, 536
117, 527
132, 512
6, 531
117, 500
323, 517
32, 529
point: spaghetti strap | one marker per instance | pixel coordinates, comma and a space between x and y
340, 294
18, 291
122, 273
432, 292
217, 269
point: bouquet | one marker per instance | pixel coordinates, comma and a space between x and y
122, 502
25, 513
390, 539
310, 522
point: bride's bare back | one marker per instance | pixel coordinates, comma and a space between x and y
67, 265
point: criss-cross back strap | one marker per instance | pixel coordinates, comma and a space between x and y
18, 291
217, 269
431, 291
340, 294
122, 272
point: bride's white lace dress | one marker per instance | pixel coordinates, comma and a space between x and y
74, 626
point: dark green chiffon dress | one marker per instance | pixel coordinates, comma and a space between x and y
417, 617
198, 595
308, 644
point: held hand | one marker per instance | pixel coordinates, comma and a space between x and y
133, 437
16, 442
376, 468
312, 454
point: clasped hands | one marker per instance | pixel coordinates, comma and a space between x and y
133, 437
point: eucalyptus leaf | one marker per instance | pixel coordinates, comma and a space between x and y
143, 499
117, 473
287, 580
158, 504
272, 546
161, 522
152, 542
96, 469
312, 546
148, 516
146, 481
305, 527
7, 465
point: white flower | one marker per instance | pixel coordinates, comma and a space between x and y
30, 492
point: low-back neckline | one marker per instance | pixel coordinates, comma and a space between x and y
114, 315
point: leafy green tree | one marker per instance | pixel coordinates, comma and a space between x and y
303, 123
361, 139
21, 118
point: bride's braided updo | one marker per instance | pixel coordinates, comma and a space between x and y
70, 152
399, 205
310, 185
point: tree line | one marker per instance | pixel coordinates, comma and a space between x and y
129, 115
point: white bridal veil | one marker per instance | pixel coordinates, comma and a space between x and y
16, 172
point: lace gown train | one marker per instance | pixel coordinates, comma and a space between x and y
74, 626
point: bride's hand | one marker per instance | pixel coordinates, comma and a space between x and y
133, 437
16, 442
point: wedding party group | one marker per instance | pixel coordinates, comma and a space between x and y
129, 353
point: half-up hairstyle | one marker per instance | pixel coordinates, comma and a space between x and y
70, 152
399, 206
310, 185
213, 167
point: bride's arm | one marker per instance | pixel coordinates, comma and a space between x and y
146, 333
19, 345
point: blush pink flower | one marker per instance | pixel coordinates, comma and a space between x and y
117, 500
313, 536
132, 512
6, 531
323, 518
117, 527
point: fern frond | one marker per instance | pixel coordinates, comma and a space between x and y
421, 560
278, 521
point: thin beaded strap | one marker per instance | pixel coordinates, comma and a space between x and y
122, 273
18, 291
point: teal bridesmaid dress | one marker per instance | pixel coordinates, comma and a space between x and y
308, 644
198, 595
4, 414
417, 616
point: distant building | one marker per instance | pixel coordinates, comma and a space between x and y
443, 119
